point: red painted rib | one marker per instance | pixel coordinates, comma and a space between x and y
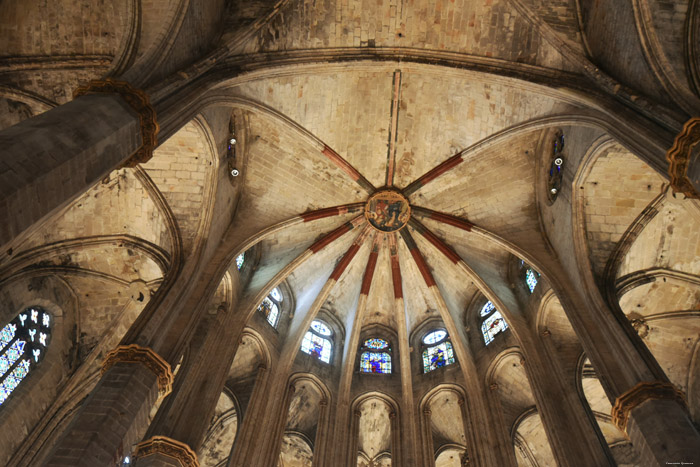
436, 242
445, 218
347, 168
336, 234
434, 173
423, 267
343, 264
329, 212
396, 276
369, 272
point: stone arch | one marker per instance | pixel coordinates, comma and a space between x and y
593, 397
507, 378
387, 427
442, 433
307, 419
221, 434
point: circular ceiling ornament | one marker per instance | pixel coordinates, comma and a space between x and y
387, 210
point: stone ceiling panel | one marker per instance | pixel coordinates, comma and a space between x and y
349, 111
494, 189
488, 28
380, 301
286, 176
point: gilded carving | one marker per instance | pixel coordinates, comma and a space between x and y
167, 447
137, 100
643, 392
136, 354
387, 211
679, 158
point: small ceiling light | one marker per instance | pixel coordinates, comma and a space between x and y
554, 191
232, 141
235, 172
558, 161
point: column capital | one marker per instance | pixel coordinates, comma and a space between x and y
167, 447
679, 158
139, 101
641, 393
136, 354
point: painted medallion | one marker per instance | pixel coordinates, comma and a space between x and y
387, 211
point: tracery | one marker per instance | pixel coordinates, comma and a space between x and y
376, 356
439, 351
316, 341
23, 344
493, 322
270, 307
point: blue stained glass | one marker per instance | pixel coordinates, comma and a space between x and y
7, 334
26, 336
531, 279
271, 311
492, 326
316, 346
11, 356
375, 362
376, 343
276, 294
13, 379
320, 328
435, 336
487, 309
438, 356
240, 260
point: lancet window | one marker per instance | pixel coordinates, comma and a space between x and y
438, 350
240, 261
23, 344
271, 306
376, 356
555, 167
493, 322
317, 341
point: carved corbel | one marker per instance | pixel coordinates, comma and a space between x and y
679, 158
641, 393
167, 447
147, 357
140, 103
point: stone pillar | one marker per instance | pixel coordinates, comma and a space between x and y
396, 453
354, 444
624, 363
650, 414
684, 159
248, 427
571, 435
186, 414
49, 160
428, 448
112, 417
322, 434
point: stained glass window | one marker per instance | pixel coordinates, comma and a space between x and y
531, 278
375, 362
320, 328
435, 336
240, 260
438, 356
376, 344
270, 307
317, 346
492, 326
487, 309
23, 344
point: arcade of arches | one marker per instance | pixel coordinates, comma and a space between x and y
353, 233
